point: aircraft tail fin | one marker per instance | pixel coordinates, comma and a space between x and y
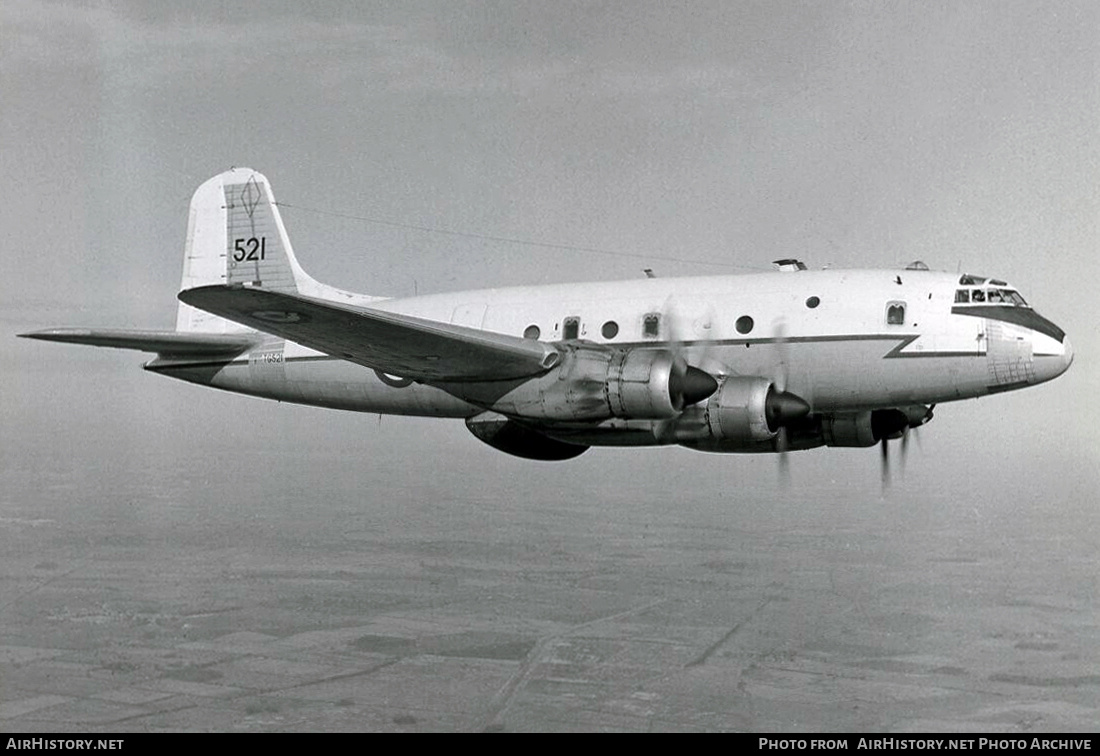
235, 235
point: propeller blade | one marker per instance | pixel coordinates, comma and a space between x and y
675, 329
665, 430
782, 369
783, 408
781, 442
904, 448
885, 464
691, 384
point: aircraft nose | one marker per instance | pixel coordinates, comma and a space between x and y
1052, 356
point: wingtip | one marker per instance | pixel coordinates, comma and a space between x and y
51, 334
186, 295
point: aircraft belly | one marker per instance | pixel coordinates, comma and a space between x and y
327, 382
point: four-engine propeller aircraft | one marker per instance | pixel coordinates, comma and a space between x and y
765, 362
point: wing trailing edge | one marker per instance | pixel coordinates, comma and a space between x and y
165, 343
402, 345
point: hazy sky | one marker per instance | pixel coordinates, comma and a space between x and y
854, 134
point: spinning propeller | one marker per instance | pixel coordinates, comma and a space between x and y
694, 383
783, 408
893, 424
691, 383
687, 383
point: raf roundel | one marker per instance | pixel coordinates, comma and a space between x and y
280, 316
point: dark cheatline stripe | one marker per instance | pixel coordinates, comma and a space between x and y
1022, 316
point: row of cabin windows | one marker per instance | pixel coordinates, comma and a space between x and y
571, 328
651, 327
651, 323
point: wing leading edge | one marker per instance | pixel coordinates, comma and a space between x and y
402, 345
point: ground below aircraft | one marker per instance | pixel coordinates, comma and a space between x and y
765, 362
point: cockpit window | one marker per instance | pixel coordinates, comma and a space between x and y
987, 291
990, 296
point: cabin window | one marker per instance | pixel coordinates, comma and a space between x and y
651, 325
571, 328
744, 324
895, 313
962, 296
813, 302
531, 332
610, 329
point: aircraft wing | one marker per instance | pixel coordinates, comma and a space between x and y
402, 345
167, 343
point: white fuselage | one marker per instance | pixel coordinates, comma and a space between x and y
741, 363
841, 339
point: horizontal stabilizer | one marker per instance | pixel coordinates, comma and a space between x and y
168, 343
402, 345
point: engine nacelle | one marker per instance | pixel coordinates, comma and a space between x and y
871, 426
848, 429
512, 438
640, 384
738, 411
744, 415
593, 383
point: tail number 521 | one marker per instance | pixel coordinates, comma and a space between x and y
250, 249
